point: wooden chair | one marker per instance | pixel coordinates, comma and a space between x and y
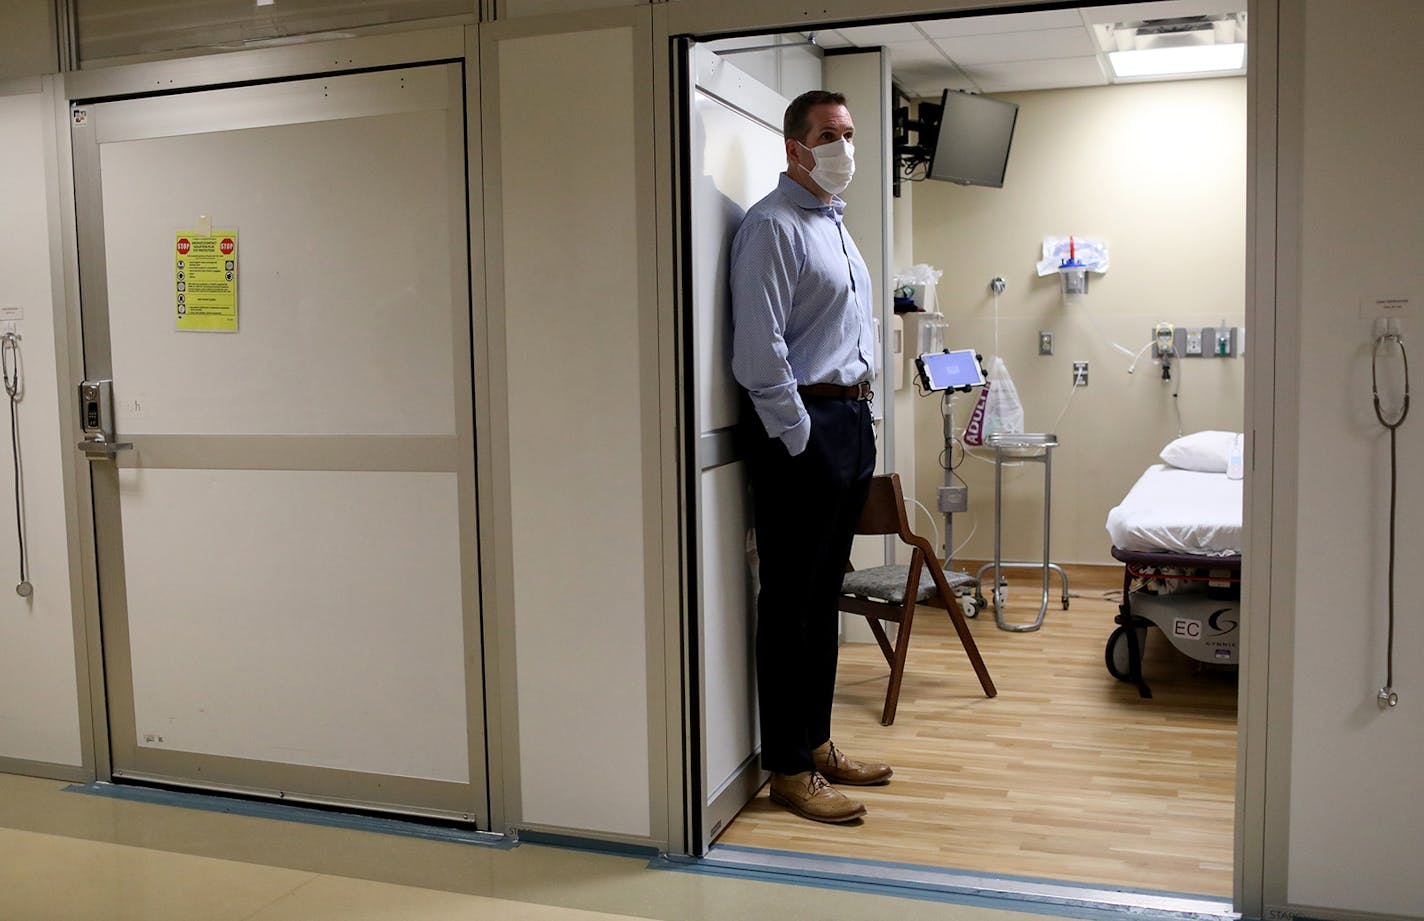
891, 593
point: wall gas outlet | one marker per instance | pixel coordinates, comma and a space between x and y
1080, 374
1219, 341
1045, 342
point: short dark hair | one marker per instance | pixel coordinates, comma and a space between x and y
797, 122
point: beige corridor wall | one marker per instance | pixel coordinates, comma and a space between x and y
1159, 171
1355, 829
40, 689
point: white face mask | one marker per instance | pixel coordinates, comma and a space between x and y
835, 165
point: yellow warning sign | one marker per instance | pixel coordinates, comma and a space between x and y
205, 280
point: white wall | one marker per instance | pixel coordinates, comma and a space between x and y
39, 697
1356, 821
1159, 171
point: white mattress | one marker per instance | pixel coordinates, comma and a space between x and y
1181, 511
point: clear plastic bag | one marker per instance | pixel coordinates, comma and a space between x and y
998, 408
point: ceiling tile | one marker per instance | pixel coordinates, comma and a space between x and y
882, 34
1037, 75
921, 52
930, 83
830, 38
1044, 44
1012, 22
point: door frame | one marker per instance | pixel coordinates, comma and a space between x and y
1263, 416
399, 49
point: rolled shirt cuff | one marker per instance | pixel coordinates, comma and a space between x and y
796, 437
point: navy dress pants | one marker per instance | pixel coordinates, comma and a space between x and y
806, 508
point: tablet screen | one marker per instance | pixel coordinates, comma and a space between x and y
950, 370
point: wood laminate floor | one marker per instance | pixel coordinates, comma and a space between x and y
1066, 775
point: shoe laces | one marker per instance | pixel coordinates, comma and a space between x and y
834, 755
817, 783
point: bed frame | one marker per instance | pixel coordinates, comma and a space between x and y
1206, 635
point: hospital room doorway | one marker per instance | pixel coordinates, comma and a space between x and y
1070, 777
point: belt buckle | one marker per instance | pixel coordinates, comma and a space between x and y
863, 392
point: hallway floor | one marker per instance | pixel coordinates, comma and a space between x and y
72, 857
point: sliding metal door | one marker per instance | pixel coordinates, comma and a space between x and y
287, 555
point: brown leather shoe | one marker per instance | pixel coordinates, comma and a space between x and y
809, 795
837, 768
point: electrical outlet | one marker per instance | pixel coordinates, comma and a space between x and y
1080, 374
1194, 343
1045, 342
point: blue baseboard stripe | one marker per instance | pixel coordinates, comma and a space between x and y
1010, 893
292, 812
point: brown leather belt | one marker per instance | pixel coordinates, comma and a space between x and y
860, 391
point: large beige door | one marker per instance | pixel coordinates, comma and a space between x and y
287, 557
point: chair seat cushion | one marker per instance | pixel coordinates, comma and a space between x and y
886, 583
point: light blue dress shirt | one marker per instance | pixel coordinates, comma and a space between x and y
801, 306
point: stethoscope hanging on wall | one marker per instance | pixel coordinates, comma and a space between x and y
10, 368
1387, 697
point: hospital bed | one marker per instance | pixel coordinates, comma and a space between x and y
1178, 534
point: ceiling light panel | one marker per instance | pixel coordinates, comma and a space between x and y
1189, 60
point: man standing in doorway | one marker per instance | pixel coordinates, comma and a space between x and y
804, 350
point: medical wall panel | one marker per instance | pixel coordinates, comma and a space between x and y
737, 161
728, 627
246, 597
787, 63
1356, 823
316, 309
572, 337
39, 691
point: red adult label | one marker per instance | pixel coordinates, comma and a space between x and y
184, 246
227, 246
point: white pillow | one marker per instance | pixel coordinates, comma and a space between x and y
1207, 452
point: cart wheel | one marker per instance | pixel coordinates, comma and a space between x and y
1118, 656
968, 606
1065, 602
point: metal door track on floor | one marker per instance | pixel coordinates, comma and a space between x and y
1009, 893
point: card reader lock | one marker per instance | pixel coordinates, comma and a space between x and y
96, 421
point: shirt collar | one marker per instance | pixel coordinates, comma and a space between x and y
803, 198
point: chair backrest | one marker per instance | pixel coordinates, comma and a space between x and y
884, 511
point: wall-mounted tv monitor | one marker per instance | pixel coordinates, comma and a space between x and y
970, 141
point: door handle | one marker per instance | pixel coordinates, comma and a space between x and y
98, 449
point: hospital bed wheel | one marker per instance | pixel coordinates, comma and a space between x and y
1117, 654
